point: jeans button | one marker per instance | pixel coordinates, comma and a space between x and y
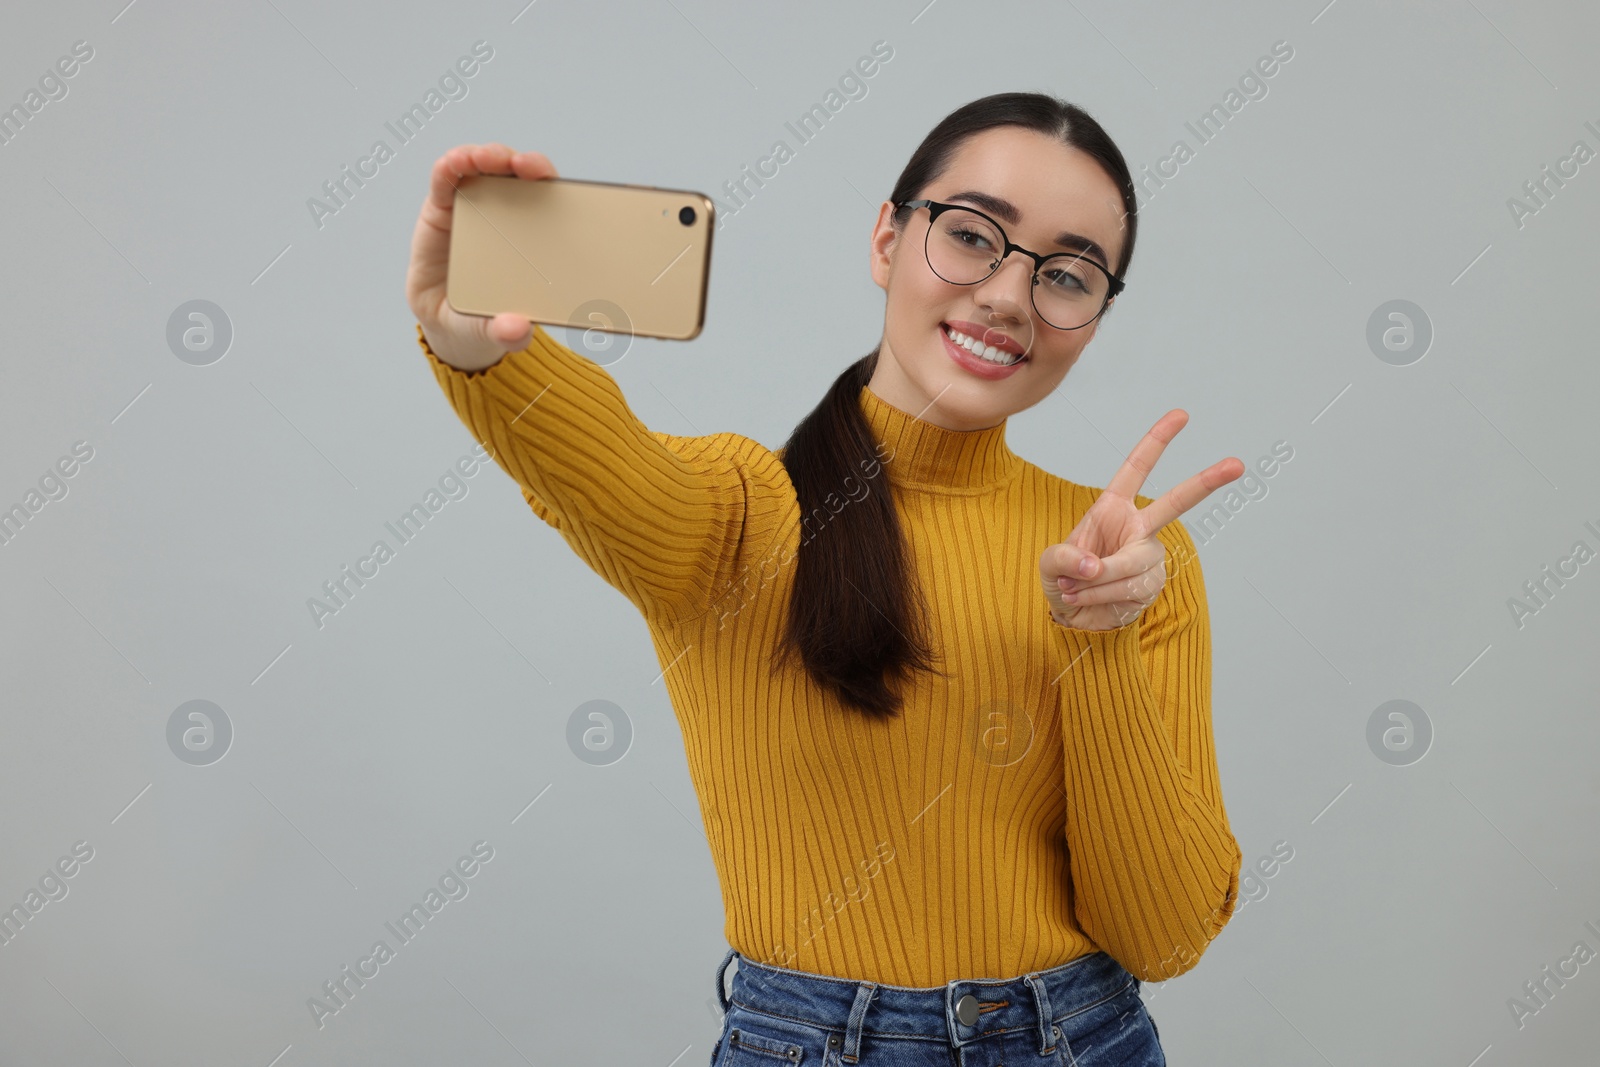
967, 1009
834, 1040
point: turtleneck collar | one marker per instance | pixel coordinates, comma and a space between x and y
927, 456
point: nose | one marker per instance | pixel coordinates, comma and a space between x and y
1007, 293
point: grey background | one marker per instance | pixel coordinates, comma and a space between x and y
369, 755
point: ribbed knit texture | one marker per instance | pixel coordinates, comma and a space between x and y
1055, 793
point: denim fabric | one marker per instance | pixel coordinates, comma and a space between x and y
1086, 1013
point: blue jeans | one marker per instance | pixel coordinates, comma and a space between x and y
1086, 1013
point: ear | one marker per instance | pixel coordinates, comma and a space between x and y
884, 238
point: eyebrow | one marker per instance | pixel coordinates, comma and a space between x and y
1007, 211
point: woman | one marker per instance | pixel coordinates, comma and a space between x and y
961, 806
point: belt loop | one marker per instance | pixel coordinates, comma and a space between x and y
865, 991
1041, 999
722, 997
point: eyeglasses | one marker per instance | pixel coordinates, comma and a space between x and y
964, 246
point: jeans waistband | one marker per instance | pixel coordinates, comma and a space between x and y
1034, 1001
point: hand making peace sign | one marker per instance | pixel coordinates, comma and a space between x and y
1111, 566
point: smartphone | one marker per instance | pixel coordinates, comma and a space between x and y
630, 259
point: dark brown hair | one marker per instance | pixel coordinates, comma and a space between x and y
856, 618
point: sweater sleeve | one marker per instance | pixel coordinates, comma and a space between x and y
658, 517
1154, 864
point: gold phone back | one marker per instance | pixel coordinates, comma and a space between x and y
595, 255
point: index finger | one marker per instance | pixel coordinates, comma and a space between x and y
1142, 460
465, 160
1189, 492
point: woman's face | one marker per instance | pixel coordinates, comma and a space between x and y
1053, 189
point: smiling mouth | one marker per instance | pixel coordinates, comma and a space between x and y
988, 353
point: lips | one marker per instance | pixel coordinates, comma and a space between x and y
988, 335
976, 365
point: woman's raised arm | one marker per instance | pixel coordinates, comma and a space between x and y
658, 517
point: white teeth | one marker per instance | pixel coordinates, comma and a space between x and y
988, 353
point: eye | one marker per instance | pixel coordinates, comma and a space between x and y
960, 233
1063, 278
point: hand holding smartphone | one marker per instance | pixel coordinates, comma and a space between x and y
595, 255
502, 241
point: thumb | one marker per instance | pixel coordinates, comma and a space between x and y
511, 331
1067, 560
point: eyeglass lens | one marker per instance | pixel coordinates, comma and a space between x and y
964, 248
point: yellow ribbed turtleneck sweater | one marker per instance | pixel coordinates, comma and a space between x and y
1056, 793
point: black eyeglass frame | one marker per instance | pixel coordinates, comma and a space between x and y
936, 208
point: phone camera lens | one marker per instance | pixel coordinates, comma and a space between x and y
686, 216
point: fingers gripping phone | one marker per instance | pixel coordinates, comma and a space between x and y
606, 256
